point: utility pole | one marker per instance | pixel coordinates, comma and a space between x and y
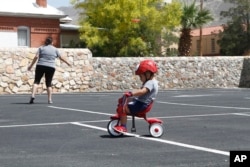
201, 8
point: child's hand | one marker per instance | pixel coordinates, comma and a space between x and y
128, 94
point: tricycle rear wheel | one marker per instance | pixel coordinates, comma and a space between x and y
156, 129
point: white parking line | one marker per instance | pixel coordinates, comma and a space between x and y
142, 137
206, 115
130, 134
198, 105
204, 95
242, 114
85, 111
215, 151
32, 125
162, 141
181, 116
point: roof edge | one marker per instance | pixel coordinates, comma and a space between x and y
28, 15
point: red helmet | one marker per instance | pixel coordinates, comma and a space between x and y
146, 65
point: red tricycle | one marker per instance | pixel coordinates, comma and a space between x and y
155, 125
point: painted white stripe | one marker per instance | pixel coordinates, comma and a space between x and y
163, 141
188, 146
85, 111
51, 124
205, 115
181, 116
242, 114
198, 105
89, 126
168, 117
196, 95
131, 134
30, 125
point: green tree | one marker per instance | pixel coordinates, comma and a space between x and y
235, 38
192, 17
126, 27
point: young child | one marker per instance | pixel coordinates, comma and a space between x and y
143, 97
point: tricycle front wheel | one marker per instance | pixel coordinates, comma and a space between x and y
110, 128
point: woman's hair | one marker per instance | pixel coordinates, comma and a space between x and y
48, 41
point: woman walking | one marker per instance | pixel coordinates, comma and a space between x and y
45, 65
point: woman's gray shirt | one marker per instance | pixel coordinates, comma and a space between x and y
47, 55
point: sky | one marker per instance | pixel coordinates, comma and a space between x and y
58, 3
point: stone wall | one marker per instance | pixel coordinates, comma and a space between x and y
90, 74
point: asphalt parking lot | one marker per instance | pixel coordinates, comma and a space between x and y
201, 127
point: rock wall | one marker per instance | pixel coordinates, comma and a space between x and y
90, 74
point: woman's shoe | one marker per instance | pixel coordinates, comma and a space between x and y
50, 102
32, 100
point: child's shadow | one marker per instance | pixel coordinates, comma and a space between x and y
111, 137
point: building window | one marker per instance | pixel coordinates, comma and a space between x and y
23, 35
213, 45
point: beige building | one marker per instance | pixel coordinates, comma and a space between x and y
210, 37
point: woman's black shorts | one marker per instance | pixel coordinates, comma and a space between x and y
44, 70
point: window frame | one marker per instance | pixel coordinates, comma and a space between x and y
27, 29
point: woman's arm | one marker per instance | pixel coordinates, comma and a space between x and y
33, 62
64, 60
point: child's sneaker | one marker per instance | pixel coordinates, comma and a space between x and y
120, 129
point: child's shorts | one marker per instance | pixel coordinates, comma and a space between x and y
136, 106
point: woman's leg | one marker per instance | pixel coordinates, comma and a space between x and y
48, 80
49, 92
38, 76
34, 90
33, 94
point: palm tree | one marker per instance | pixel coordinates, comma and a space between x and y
192, 17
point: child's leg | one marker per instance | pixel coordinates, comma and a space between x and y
123, 118
122, 111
